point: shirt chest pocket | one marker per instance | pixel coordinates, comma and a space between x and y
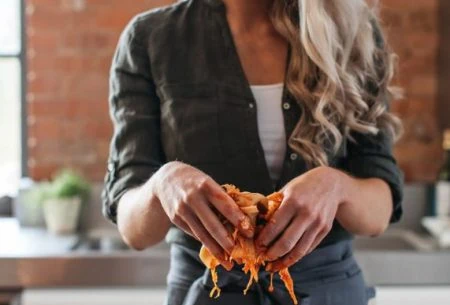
190, 123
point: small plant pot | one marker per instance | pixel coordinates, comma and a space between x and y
61, 215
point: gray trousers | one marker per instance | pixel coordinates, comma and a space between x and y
327, 276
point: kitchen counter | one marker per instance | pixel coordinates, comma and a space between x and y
85, 269
18, 242
31, 258
405, 267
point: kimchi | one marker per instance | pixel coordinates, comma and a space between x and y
259, 209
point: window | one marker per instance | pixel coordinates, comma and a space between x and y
12, 106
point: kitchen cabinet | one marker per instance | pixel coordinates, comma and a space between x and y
386, 295
94, 296
413, 295
9, 297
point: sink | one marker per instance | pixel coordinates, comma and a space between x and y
395, 240
100, 240
389, 243
104, 244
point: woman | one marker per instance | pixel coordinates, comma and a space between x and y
268, 95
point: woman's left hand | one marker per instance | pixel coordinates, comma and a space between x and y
304, 217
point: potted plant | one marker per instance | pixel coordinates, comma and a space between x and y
62, 200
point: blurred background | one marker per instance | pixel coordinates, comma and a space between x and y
55, 57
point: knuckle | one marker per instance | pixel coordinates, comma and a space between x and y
181, 209
307, 210
321, 221
328, 226
300, 252
290, 202
203, 183
290, 259
189, 197
177, 220
285, 246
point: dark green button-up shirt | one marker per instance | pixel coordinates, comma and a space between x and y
178, 92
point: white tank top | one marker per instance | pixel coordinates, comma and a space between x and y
271, 125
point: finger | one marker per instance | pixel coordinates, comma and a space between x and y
297, 253
317, 241
288, 240
184, 226
197, 228
275, 226
228, 208
212, 224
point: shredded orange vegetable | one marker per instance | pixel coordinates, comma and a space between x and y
216, 288
256, 206
287, 280
271, 283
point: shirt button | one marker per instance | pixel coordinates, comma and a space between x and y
251, 105
293, 156
286, 106
110, 166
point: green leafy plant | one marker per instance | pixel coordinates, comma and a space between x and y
66, 184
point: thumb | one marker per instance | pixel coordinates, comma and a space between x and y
283, 189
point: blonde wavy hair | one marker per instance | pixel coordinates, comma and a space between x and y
339, 71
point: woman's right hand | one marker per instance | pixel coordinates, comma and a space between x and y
189, 198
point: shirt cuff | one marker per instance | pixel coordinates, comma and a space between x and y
382, 168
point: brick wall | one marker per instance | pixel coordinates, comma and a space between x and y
413, 32
70, 45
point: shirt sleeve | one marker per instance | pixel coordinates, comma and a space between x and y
135, 149
370, 156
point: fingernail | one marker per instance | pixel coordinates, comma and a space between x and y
246, 227
223, 255
275, 267
250, 233
227, 265
245, 223
269, 257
